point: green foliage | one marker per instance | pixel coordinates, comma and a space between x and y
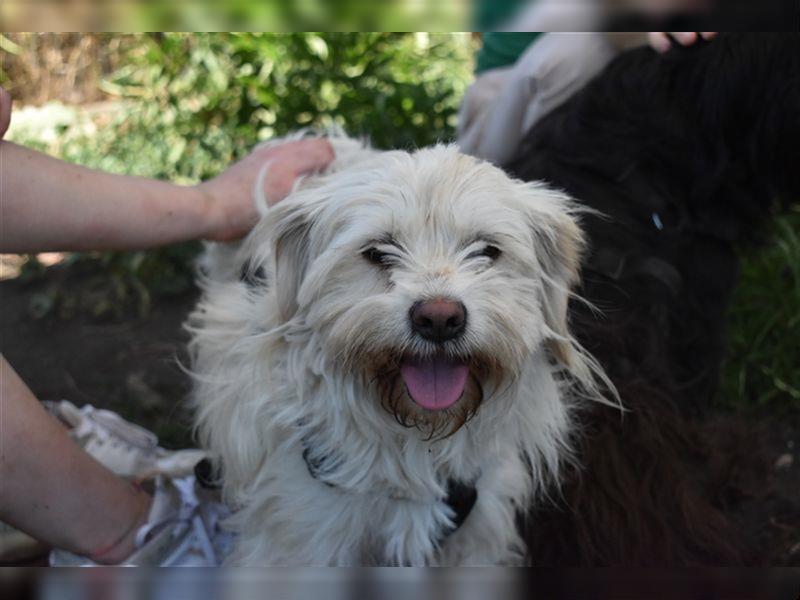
764, 342
272, 15
203, 100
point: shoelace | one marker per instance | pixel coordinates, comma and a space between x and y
188, 516
99, 429
105, 424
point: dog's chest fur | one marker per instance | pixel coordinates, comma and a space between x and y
382, 500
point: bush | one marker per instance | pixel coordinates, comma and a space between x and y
204, 100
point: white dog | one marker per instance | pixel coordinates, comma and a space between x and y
390, 380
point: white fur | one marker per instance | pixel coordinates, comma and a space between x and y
278, 363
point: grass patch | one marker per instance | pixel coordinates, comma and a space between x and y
763, 365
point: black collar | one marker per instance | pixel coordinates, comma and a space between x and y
461, 497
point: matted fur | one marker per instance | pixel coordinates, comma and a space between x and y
303, 357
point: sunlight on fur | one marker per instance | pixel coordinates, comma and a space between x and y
312, 346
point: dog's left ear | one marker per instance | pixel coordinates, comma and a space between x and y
558, 246
290, 224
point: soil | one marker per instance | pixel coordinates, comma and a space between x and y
89, 348
66, 339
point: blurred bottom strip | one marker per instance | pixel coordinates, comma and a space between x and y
391, 583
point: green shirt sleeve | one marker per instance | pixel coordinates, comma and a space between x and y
502, 49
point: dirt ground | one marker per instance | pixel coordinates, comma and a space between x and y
63, 347
129, 363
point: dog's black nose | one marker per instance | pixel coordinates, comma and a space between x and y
438, 320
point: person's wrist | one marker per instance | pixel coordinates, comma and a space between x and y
210, 216
226, 217
118, 551
106, 546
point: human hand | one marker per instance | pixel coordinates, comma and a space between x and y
661, 41
232, 211
5, 111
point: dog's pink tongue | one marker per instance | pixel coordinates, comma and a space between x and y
434, 383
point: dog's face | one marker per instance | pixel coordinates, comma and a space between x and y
427, 278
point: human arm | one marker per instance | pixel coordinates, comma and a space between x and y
5, 111
47, 204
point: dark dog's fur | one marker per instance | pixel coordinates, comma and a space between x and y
685, 154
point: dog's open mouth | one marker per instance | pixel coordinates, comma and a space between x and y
436, 382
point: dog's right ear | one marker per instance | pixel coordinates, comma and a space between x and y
559, 243
291, 224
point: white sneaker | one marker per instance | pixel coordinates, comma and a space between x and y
182, 529
183, 526
129, 450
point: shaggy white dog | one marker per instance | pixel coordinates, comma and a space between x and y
383, 367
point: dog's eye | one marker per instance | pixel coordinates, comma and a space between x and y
488, 251
376, 257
